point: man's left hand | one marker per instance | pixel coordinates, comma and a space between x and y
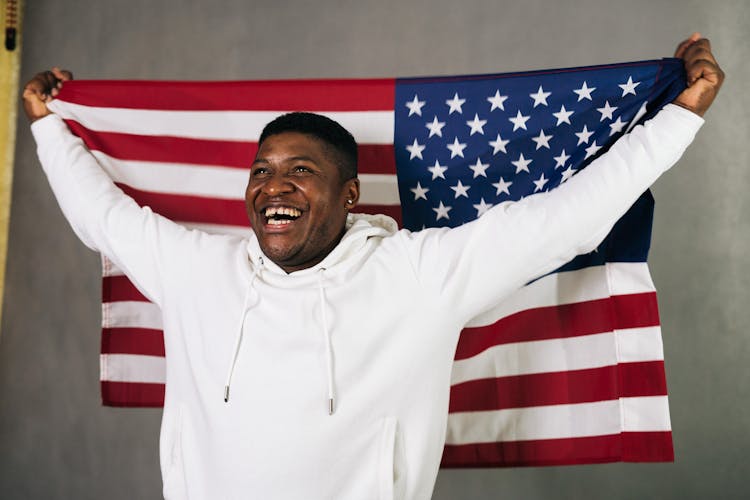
704, 76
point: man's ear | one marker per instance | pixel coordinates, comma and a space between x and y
351, 188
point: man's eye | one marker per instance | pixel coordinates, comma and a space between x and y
259, 171
301, 168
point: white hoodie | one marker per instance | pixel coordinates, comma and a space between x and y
373, 327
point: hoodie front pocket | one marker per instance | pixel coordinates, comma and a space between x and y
390, 470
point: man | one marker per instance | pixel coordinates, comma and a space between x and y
313, 359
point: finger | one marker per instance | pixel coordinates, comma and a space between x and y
61, 74
682, 47
706, 70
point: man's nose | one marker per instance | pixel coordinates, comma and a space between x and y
277, 185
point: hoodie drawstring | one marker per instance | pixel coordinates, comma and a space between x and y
329, 346
238, 341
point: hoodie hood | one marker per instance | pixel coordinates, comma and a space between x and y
362, 232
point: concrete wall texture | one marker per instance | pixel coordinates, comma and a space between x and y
56, 441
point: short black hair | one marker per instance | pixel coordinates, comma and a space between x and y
322, 128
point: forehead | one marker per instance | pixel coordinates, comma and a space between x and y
288, 145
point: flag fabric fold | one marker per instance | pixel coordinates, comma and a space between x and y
569, 370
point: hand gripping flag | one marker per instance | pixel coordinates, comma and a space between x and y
569, 370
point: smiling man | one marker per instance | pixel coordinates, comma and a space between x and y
335, 332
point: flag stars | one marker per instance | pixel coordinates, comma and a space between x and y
592, 149
584, 92
540, 182
419, 192
561, 159
606, 111
563, 116
457, 148
542, 141
415, 150
540, 97
519, 121
479, 168
435, 127
455, 104
441, 212
584, 136
415, 106
460, 190
567, 174
498, 145
521, 164
477, 125
629, 86
437, 170
497, 101
502, 186
482, 207
616, 126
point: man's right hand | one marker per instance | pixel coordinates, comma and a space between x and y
42, 89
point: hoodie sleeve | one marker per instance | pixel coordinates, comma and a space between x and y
473, 267
105, 219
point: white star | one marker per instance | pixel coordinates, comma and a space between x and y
542, 141
460, 190
592, 149
455, 104
561, 159
457, 148
584, 136
437, 170
482, 207
628, 87
567, 174
415, 106
415, 150
606, 111
476, 125
502, 186
563, 116
498, 145
436, 127
519, 121
540, 97
419, 192
584, 92
539, 183
479, 168
442, 211
497, 101
521, 164
616, 126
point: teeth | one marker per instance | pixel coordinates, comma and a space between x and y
288, 211
278, 222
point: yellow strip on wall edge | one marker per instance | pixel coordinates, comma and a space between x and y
10, 62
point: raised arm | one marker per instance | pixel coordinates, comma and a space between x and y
474, 266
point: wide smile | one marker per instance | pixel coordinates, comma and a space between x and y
280, 217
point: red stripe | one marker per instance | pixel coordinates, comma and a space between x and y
268, 95
143, 341
120, 288
568, 387
132, 394
372, 158
625, 447
190, 208
562, 321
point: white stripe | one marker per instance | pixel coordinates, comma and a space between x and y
132, 368
601, 418
367, 127
133, 314
219, 182
556, 355
569, 287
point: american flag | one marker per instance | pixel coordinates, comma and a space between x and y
568, 370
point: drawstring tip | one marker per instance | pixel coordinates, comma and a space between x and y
330, 406
226, 393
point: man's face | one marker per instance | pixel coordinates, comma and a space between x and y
296, 201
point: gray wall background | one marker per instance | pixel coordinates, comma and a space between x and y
56, 441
